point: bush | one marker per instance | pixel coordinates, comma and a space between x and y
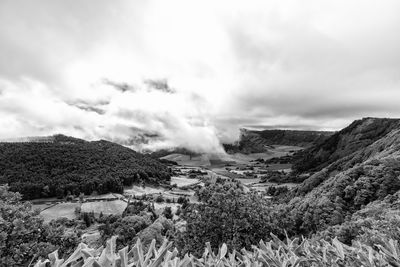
168, 213
305, 252
226, 215
24, 236
159, 199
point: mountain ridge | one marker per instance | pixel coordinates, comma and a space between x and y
256, 141
358, 135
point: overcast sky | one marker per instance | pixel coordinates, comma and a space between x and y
191, 73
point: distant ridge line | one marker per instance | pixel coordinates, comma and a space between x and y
29, 139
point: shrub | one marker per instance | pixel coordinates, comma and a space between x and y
168, 213
296, 252
159, 199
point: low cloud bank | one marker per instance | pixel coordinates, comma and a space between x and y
145, 116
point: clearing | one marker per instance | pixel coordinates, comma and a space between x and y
61, 210
105, 207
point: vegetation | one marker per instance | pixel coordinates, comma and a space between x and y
259, 141
369, 238
24, 237
73, 166
293, 137
125, 228
226, 214
357, 136
138, 221
292, 252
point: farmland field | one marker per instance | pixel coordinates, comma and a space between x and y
140, 191
105, 207
183, 181
105, 196
61, 210
187, 160
41, 207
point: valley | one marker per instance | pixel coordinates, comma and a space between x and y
191, 173
199, 133
342, 190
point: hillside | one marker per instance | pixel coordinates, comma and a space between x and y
292, 137
251, 141
368, 171
66, 165
341, 145
165, 152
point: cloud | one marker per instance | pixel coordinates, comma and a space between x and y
123, 87
159, 74
146, 118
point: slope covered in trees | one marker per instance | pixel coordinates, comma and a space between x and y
341, 145
334, 194
70, 165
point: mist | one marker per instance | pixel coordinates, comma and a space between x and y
154, 75
144, 116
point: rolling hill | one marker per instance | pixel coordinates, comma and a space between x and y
65, 165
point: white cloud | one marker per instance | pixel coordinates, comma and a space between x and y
310, 64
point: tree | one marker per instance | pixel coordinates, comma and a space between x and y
168, 213
126, 228
87, 219
229, 215
23, 236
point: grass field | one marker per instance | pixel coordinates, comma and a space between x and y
62, 210
104, 196
41, 207
105, 207
189, 161
183, 181
140, 191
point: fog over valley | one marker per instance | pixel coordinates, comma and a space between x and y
184, 74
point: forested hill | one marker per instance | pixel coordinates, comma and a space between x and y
251, 141
343, 144
328, 200
64, 165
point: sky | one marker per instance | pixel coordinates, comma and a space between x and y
158, 74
